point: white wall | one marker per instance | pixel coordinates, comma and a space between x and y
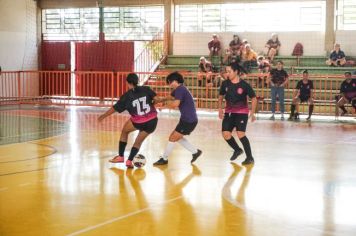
347, 39
197, 43
18, 38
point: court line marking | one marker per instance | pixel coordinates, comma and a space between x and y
122, 217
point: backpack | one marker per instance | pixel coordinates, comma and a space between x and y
298, 50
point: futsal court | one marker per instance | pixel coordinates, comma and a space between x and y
56, 178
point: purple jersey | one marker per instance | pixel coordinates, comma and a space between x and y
236, 96
186, 107
138, 103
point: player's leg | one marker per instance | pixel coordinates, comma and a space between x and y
273, 101
173, 138
341, 104
128, 128
228, 125
297, 103
311, 107
292, 108
241, 129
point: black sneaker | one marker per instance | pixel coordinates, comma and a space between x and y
236, 154
248, 161
161, 161
296, 116
196, 155
308, 118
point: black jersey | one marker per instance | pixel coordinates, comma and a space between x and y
349, 89
139, 103
278, 76
236, 96
305, 89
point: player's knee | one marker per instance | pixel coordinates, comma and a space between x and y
240, 135
226, 135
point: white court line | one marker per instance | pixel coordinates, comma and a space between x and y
121, 217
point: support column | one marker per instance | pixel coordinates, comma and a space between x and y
101, 21
169, 20
330, 25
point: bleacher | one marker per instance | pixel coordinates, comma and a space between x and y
326, 79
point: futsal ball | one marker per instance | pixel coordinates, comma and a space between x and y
139, 161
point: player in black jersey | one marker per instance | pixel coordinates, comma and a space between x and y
303, 93
347, 92
235, 91
138, 101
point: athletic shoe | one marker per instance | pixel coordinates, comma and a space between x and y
196, 155
296, 116
308, 118
161, 161
129, 164
236, 154
282, 117
248, 161
290, 118
272, 117
117, 159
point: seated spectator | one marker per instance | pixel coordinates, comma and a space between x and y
347, 93
337, 57
214, 47
249, 58
235, 45
231, 57
264, 67
205, 70
303, 93
273, 45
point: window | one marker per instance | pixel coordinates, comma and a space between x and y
280, 16
346, 15
120, 23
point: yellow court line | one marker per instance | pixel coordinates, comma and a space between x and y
122, 217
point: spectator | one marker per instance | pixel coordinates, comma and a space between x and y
214, 47
347, 93
264, 67
232, 57
337, 57
205, 69
249, 58
278, 79
303, 93
235, 45
273, 45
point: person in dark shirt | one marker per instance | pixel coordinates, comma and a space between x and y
303, 93
182, 99
337, 57
235, 92
273, 45
235, 45
278, 79
214, 47
138, 101
347, 92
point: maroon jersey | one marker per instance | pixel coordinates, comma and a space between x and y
139, 103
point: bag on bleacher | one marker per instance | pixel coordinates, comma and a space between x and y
298, 50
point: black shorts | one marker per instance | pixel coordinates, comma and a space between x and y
148, 126
185, 128
304, 98
234, 120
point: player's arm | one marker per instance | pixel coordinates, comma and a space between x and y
253, 108
106, 114
220, 105
174, 104
158, 99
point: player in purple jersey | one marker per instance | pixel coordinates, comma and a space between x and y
347, 92
235, 91
182, 99
138, 101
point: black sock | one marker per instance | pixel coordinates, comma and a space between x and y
292, 109
247, 147
122, 146
232, 142
343, 109
311, 108
133, 153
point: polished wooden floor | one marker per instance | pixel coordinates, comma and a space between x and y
55, 179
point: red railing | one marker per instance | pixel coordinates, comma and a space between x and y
104, 88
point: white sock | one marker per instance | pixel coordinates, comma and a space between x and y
168, 150
187, 145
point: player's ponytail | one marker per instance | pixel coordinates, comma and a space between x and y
132, 79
